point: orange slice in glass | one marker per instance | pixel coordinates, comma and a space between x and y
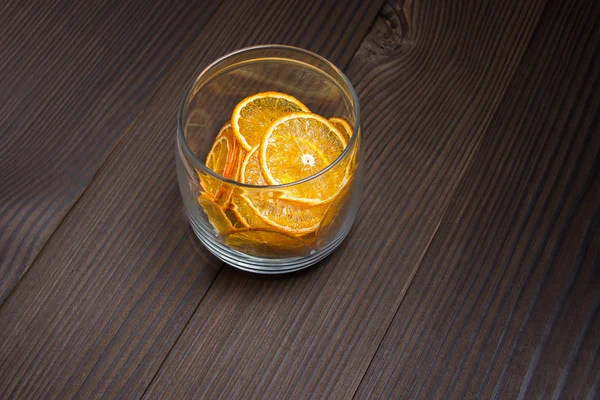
343, 126
252, 116
216, 216
262, 242
334, 216
280, 214
250, 171
224, 221
298, 146
224, 159
220, 151
235, 218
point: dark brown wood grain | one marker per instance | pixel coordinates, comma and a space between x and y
73, 77
506, 301
109, 294
430, 77
473, 270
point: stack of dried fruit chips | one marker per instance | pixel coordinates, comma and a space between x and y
271, 140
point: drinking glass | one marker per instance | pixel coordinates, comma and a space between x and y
285, 234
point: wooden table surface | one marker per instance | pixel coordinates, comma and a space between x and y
472, 271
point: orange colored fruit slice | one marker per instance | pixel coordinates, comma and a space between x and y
281, 214
250, 171
224, 159
297, 146
273, 139
266, 243
343, 126
236, 220
335, 215
220, 152
248, 214
252, 116
216, 216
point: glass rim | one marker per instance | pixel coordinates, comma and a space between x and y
200, 165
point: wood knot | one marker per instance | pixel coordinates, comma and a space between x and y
391, 29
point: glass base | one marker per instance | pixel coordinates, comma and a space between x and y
262, 265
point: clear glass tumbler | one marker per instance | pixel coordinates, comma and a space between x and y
268, 229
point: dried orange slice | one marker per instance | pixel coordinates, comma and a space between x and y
334, 217
236, 154
250, 171
273, 139
236, 219
266, 243
221, 150
224, 221
297, 146
252, 116
248, 214
216, 216
300, 145
281, 214
224, 159
343, 126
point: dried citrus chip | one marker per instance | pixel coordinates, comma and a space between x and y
343, 126
266, 243
326, 187
252, 116
223, 158
220, 151
274, 140
248, 214
237, 221
250, 171
334, 217
300, 145
284, 215
297, 146
216, 216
